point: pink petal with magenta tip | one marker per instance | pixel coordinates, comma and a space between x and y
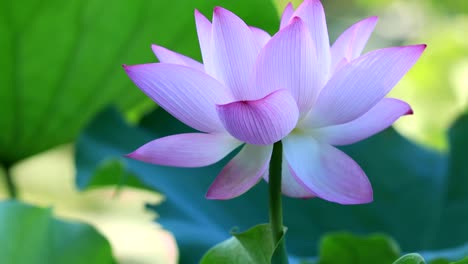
361, 84
168, 56
186, 150
380, 117
204, 29
350, 44
241, 173
326, 171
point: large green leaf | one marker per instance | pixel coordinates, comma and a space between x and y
254, 246
61, 60
30, 235
462, 261
344, 248
419, 196
412, 258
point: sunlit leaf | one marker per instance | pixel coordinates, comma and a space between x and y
437, 87
32, 235
452, 7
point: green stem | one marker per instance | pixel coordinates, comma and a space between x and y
10, 184
276, 211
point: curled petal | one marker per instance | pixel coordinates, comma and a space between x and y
168, 56
326, 171
234, 50
287, 14
380, 117
263, 121
204, 38
350, 44
313, 15
186, 150
361, 84
188, 94
287, 62
261, 36
241, 173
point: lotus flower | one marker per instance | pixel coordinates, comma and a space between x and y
253, 90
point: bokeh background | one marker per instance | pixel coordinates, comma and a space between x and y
61, 72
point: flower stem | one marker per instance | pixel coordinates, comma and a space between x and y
10, 184
276, 211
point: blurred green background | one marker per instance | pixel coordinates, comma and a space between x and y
61, 66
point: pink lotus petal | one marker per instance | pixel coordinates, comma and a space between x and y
204, 38
361, 84
380, 117
326, 171
234, 51
339, 65
241, 173
261, 36
350, 44
263, 121
287, 62
290, 185
186, 150
313, 15
168, 56
189, 95
287, 14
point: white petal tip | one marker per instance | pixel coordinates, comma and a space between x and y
199, 16
157, 49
